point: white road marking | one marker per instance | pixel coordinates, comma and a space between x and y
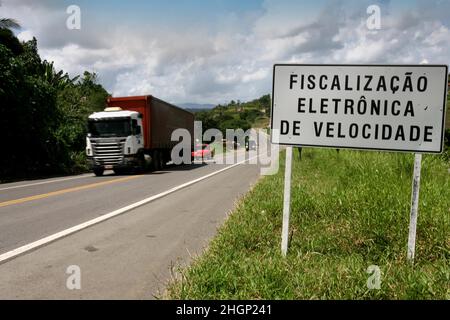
48, 181
36, 244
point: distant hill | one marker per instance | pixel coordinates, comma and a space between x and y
196, 110
237, 114
195, 106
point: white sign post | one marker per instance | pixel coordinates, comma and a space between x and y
286, 201
414, 207
369, 107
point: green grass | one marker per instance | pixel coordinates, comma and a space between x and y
350, 210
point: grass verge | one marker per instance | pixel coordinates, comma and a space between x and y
350, 210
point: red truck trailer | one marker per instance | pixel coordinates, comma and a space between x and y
134, 132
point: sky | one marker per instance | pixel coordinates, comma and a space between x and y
215, 51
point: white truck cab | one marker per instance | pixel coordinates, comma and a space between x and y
114, 140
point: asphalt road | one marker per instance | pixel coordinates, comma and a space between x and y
131, 255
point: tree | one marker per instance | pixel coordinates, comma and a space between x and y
43, 112
27, 113
7, 23
7, 37
59, 79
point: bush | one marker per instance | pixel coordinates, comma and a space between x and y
43, 114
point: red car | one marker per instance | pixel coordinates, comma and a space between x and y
203, 151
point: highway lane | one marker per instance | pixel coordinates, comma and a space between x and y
133, 255
64, 203
128, 256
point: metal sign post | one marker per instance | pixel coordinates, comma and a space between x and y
287, 201
414, 207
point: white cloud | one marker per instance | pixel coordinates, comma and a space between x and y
259, 74
234, 59
25, 35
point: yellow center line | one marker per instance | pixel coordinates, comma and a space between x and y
58, 192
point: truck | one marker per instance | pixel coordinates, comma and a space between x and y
134, 134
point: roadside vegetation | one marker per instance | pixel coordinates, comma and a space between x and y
42, 111
447, 130
350, 210
237, 115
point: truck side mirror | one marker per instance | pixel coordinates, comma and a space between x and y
135, 127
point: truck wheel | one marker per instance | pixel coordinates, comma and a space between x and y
156, 161
162, 162
142, 163
98, 171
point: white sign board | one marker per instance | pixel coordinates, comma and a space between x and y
380, 107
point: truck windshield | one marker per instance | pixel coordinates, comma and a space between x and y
110, 127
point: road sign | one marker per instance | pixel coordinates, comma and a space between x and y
380, 107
